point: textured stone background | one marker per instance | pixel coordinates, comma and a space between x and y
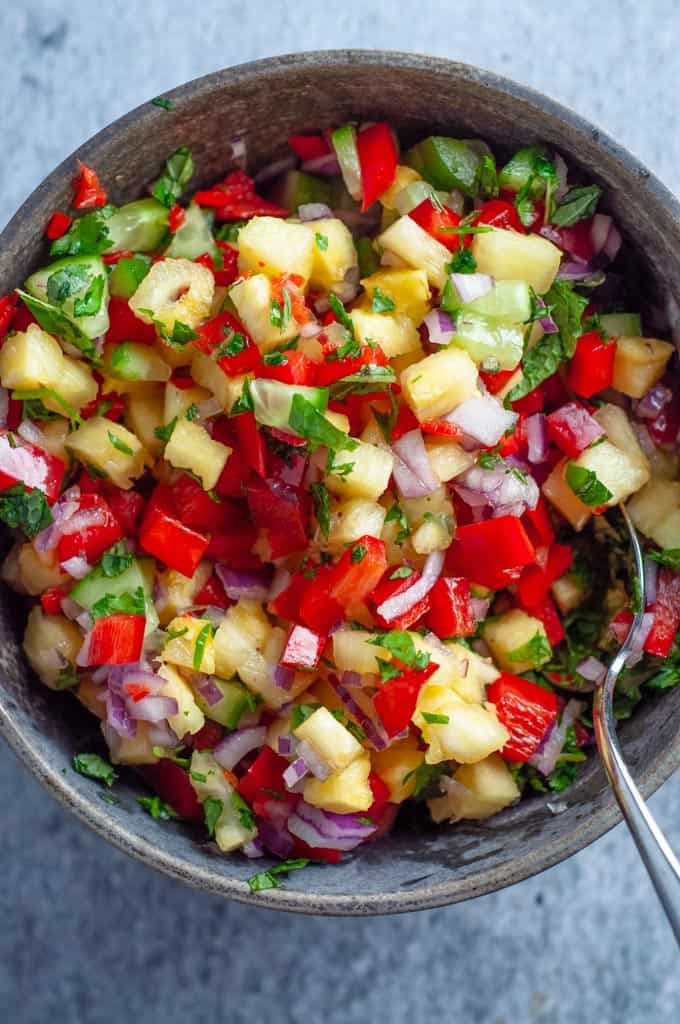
88, 936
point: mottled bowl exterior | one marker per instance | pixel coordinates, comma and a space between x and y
262, 103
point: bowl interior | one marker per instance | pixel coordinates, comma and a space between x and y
260, 105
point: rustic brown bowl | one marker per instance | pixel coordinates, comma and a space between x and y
262, 103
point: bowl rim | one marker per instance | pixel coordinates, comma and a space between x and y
94, 813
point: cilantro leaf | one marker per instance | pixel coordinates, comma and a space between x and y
67, 281
94, 767
245, 814
24, 509
87, 236
586, 486
396, 514
359, 552
667, 677
425, 775
180, 335
539, 363
402, 573
67, 678
179, 169
127, 603
118, 443
401, 646
669, 557
199, 646
306, 421
212, 809
269, 880
341, 313
244, 403
164, 433
321, 241
280, 312
116, 560
487, 177
463, 262
388, 670
300, 713
321, 500
91, 301
157, 808
365, 381
34, 407
577, 204
567, 309
382, 303
233, 347
160, 101
537, 650
54, 321
433, 719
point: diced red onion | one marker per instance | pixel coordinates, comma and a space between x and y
352, 679
584, 427
462, 664
295, 772
253, 848
547, 754
70, 608
314, 211
77, 567
210, 407
152, 708
284, 745
653, 402
475, 499
84, 620
585, 272
325, 829
283, 677
209, 691
536, 427
480, 608
471, 286
276, 838
161, 735
253, 585
87, 519
440, 327
311, 329
400, 604
374, 731
413, 473
118, 716
651, 579
639, 639
317, 766
274, 169
484, 419
62, 510
327, 165
83, 655
599, 231
234, 747
592, 669
500, 488
547, 322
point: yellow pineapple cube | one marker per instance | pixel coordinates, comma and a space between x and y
440, 382
144, 414
455, 730
210, 783
191, 447
354, 652
447, 458
639, 363
559, 493
343, 792
333, 252
178, 592
353, 519
189, 718
208, 374
111, 448
370, 472
416, 248
396, 766
478, 791
655, 511
30, 573
174, 291
330, 741
509, 256
48, 641
32, 359
191, 644
395, 334
253, 298
620, 473
273, 247
403, 177
177, 401
137, 749
408, 289
517, 641
617, 426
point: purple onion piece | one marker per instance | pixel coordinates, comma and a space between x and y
234, 747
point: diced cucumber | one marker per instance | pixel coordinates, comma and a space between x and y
77, 287
446, 163
516, 173
139, 226
508, 300
236, 698
297, 188
194, 236
622, 325
344, 142
416, 193
272, 401
95, 585
132, 361
128, 274
498, 345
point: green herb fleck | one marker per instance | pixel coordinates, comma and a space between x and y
25, 510
577, 204
269, 880
116, 560
359, 552
382, 303
179, 169
94, 767
164, 433
402, 573
160, 101
118, 444
321, 241
536, 651
586, 486
322, 507
127, 603
433, 719
199, 647
157, 808
212, 809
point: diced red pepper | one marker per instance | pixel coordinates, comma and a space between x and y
592, 366
320, 853
381, 795
621, 623
526, 710
358, 571
405, 422
58, 225
195, 508
317, 606
51, 600
546, 612
282, 511
666, 614
495, 382
23, 462
212, 593
499, 213
22, 318
98, 530
554, 392
125, 326
396, 699
297, 369
234, 547
207, 737
538, 524
111, 258
535, 581
176, 218
116, 639
441, 428
287, 603
251, 443
377, 152
169, 540
438, 223
226, 328
110, 405
127, 507
573, 429
290, 471
451, 612
87, 192
531, 403
264, 777
236, 199
387, 589
228, 272
303, 648
8, 305
173, 784
491, 552
308, 147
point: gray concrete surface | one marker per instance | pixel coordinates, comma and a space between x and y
87, 935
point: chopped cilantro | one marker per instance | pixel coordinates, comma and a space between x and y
388, 670
67, 678
87, 236
425, 775
280, 312
321, 241
275, 359
199, 646
306, 421
366, 381
400, 645
300, 713
579, 203
160, 101
94, 767
192, 412
269, 880
34, 407
539, 363
397, 514
232, 347
180, 335
537, 650
116, 560
179, 169
322, 507
118, 444
164, 433
244, 403
566, 308
341, 313
25, 510
212, 809
245, 815
463, 262
586, 486
433, 719
382, 303
402, 573
68, 281
91, 301
126, 603
669, 557
359, 552
157, 808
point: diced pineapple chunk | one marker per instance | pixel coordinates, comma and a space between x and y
509, 256
245, 628
333, 252
403, 177
353, 651
122, 460
395, 334
177, 401
137, 749
189, 718
32, 359
559, 493
416, 248
615, 422
396, 766
192, 447
144, 413
462, 670
655, 511
408, 289
343, 792
252, 298
639, 363
88, 693
353, 519
615, 469
431, 521
191, 645
466, 732
329, 739
439, 383
568, 592
207, 373
54, 434
273, 247
447, 458
30, 573
210, 783
51, 643
174, 291
178, 592
369, 476
478, 791
517, 641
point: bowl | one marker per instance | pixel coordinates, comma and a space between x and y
258, 105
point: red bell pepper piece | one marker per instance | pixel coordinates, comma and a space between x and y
8, 305
207, 737
232, 481
451, 612
264, 777
125, 326
51, 600
592, 366
573, 429
335, 369
531, 403
166, 538
172, 783
526, 710
441, 428
109, 404
554, 392
116, 639
251, 443
176, 218
235, 198
381, 795
546, 612
538, 524
87, 192
58, 225
195, 508
95, 536
308, 147
358, 571
499, 213
303, 648
404, 423
243, 354
666, 614
282, 511
491, 552
396, 699
213, 594
438, 223
228, 272
377, 152
387, 589
495, 382
127, 507
287, 603
535, 581
297, 369
234, 547
22, 318
23, 462
320, 853
317, 606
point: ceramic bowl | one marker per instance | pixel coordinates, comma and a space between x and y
259, 105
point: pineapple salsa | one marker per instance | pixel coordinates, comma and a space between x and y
307, 476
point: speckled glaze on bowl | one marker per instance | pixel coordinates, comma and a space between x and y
262, 103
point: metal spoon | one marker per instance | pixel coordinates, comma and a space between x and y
662, 865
